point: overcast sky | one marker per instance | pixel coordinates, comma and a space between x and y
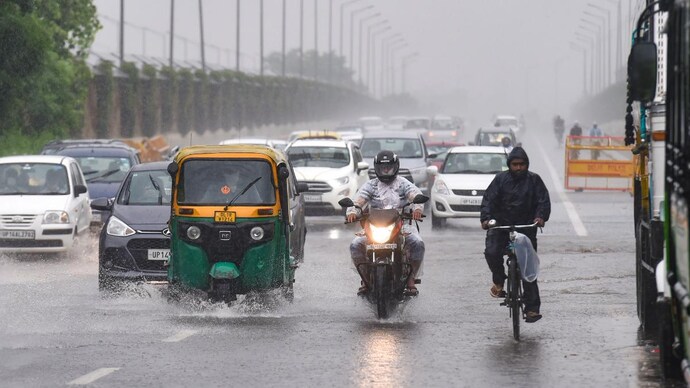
481, 56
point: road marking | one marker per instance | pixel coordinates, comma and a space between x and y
93, 376
182, 334
569, 207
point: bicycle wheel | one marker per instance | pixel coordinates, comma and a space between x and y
514, 296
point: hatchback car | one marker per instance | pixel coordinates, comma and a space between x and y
492, 136
134, 243
410, 148
44, 203
331, 169
460, 184
105, 165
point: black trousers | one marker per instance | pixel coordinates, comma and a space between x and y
496, 243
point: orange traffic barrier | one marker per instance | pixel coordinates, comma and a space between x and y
598, 163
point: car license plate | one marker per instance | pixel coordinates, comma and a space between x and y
471, 201
224, 216
382, 246
18, 234
159, 254
312, 198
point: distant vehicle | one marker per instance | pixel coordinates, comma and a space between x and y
460, 184
439, 150
273, 143
419, 124
134, 245
371, 123
353, 132
330, 135
104, 163
44, 203
396, 122
410, 148
332, 169
492, 136
443, 128
511, 122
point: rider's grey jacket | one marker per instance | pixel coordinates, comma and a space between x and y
380, 195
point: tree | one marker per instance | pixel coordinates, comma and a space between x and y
43, 76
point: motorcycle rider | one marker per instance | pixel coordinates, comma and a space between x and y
559, 128
388, 191
514, 197
575, 131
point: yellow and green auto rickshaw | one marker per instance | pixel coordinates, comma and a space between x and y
237, 221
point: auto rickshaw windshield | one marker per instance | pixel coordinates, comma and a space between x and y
221, 181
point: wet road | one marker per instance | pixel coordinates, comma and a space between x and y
56, 329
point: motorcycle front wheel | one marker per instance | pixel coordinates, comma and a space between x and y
382, 290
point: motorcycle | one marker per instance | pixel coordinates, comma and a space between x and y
387, 270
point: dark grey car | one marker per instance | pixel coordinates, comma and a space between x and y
134, 243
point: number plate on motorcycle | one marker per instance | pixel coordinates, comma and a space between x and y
382, 246
224, 216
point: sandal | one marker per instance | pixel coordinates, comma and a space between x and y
411, 291
363, 289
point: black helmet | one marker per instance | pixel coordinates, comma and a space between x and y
386, 166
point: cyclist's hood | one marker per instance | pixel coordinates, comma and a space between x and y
517, 153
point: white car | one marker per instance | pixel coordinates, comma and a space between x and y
273, 143
332, 169
511, 122
44, 203
460, 183
371, 123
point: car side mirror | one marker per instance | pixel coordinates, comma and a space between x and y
79, 189
302, 187
346, 202
642, 71
102, 204
432, 156
432, 170
362, 166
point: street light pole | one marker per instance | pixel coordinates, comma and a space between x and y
593, 73
408, 58
316, 40
384, 50
619, 33
393, 51
359, 53
301, 38
330, 41
583, 50
282, 64
342, 14
122, 32
371, 56
172, 31
604, 48
595, 29
352, 33
201, 32
261, 38
237, 38
607, 38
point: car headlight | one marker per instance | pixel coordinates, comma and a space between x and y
117, 227
257, 233
342, 181
440, 187
193, 232
56, 217
381, 234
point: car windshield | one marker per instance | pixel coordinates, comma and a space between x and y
332, 157
438, 149
103, 169
493, 138
404, 148
443, 124
222, 181
146, 188
33, 179
417, 124
474, 163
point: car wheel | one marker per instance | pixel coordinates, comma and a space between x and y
437, 222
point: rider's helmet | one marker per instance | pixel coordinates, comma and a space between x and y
386, 166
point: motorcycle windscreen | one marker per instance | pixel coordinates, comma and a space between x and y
383, 217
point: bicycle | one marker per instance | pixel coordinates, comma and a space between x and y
513, 299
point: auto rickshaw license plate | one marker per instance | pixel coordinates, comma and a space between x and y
224, 216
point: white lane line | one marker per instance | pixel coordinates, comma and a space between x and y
569, 207
179, 336
93, 376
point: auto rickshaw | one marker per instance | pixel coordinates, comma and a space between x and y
232, 227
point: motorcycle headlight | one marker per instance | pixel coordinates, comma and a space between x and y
380, 234
440, 187
118, 228
56, 217
193, 232
257, 233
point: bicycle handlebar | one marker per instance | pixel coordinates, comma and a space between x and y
513, 227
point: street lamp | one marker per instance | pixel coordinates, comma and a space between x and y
392, 39
575, 46
237, 38
607, 37
371, 53
595, 29
172, 30
359, 53
592, 67
619, 33
405, 60
342, 14
201, 33
393, 49
602, 28
352, 29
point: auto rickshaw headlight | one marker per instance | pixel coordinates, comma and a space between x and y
257, 233
193, 232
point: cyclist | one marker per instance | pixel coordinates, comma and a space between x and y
559, 128
514, 197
